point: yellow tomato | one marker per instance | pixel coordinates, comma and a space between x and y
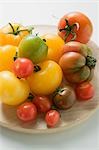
54, 43
12, 34
47, 79
7, 54
13, 91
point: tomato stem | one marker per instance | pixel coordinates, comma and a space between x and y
29, 29
69, 29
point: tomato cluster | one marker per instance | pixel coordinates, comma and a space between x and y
43, 74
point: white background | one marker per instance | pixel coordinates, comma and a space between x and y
82, 137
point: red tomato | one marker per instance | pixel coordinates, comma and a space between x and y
42, 103
75, 26
84, 91
52, 118
27, 112
23, 67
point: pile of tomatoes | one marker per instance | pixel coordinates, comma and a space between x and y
48, 73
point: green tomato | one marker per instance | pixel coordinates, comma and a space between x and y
34, 48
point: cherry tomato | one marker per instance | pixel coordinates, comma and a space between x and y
52, 118
27, 112
75, 26
42, 103
84, 91
54, 43
46, 78
23, 67
64, 97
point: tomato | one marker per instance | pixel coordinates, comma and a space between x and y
75, 26
46, 78
42, 103
64, 97
23, 67
34, 48
12, 90
13, 33
7, 54
84, 91
77, 62
54, 43
52, 118
27, 112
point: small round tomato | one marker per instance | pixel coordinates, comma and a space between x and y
52, 118
13, 33
33, 48
42, 103
27, 112
75, 26
84, 91
23, 67
46, 78
64, 97
54, 43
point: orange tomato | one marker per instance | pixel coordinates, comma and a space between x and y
12, 34
7, 54
54, 43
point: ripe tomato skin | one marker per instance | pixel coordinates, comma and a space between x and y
47, 79
52, 118
33, 48
13, 91
83, 27
27, 112
42, 103
12, 39
84, 91
7, 54
54, 43
23, 67
77, 62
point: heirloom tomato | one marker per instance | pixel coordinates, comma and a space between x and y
54, 43
13, 91
46, 78
77, 62
75, 26
13, 33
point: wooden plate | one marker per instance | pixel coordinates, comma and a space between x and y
80, 112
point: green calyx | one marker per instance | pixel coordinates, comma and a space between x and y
69, 29
37, 68
91, 61
58, 91
18, 30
